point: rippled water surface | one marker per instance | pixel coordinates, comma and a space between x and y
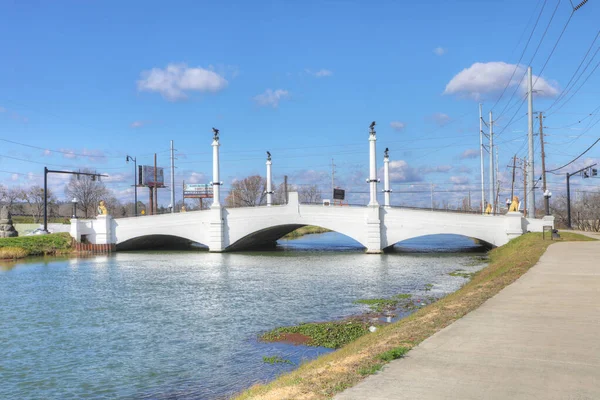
183, 325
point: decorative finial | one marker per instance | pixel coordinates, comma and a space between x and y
386, 152
372, 127
268, 156
216, 133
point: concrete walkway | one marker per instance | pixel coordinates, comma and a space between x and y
539, 338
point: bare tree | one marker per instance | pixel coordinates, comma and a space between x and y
309, 194
34, 196
87, 191
248, 192
9, 197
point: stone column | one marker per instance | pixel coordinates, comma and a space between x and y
102, 229
269, 181
372, 167
386, 179
75, 231
514, 224
216, 182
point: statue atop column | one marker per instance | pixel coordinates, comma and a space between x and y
216, 134
102, 208
268, 156
372, 128
386, 153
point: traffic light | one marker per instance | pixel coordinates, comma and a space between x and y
594, 172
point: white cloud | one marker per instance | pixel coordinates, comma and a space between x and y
271, 97
439, 168
491, 78
138, 124
92, 155
400, 171
439, 51
310, 176
176, 79
47, 153
439, 118
469, 153
322, 73
14, 177
397, 125
196, 177
459, 180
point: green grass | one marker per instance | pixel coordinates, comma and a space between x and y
276, 360
379, 305
305, 230
462, 273
25, 219
370, 369
332, 335
39, 245
393, 354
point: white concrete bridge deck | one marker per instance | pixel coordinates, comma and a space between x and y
374, 227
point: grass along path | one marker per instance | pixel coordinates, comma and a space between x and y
325, 376
39, 245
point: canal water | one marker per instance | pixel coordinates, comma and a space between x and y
183, 325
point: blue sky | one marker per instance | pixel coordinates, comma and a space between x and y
86, 83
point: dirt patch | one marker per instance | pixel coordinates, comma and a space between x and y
292, 338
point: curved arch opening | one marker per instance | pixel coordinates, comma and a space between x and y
159, 242
440, 243
270, 238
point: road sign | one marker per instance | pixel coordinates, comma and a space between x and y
339, 194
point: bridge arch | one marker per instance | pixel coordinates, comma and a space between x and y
445, 242
157, 242
267, 237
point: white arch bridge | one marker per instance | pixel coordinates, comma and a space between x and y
230, 229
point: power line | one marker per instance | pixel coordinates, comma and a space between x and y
520, 58
576, 158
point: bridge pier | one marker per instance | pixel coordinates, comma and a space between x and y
216, 235
373, 221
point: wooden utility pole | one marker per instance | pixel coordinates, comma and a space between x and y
155, 188
512, 187
541, 117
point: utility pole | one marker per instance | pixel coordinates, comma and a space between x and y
481, 159
497, 181
530, 166
512, 187
524, 188
155, 188
432, 196
541, 117
491, 151
285, 189
332, 176
173, 180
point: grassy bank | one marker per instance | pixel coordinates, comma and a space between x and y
324, 377
39, 245
305, 230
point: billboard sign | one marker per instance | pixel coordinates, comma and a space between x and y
197, 191
146, 176
339, 194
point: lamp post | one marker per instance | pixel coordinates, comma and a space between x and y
74, 202
547, 195
508, 203
134, 182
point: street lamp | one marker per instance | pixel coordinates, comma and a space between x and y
74, 202
134, 182
547, 195
508, 203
